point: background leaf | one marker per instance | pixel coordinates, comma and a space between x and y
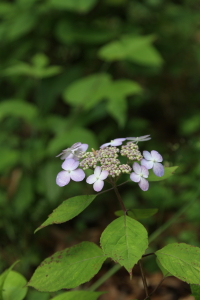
169, 171
14, 286
81, 295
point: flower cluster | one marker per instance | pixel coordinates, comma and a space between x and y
106, 163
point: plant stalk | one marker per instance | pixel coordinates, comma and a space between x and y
143, 279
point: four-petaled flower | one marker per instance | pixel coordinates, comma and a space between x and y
153, 160
139, 138
97, 178
71, 172
74, 151
115, 142
139, 175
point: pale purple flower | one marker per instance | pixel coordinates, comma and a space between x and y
139, 138
71, 172
139, 175
153, 160
115, 142
74, 151
97, 179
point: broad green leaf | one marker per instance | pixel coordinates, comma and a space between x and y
82, 6
14, 286
3, 277
10, 158
169, 171
133, 48
73, 135
117, 108
68, 268
17, 108
195, 289
78, 295
125, 241
163, 270
138, 213
87, 91
182, 261
69, 209
122, 88
36, 295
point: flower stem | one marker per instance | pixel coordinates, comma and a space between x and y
143, 279
118, 197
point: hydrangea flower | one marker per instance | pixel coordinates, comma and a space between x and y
139, 138
74, 151
115, 142
71, 172
153, 160
97, 179
139, 175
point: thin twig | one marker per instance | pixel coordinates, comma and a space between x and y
143, 279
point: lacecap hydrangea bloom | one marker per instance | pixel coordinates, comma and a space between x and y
106, 163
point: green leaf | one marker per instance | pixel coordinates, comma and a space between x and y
195, 289
81, 295
14, 286
169, 171
82, 6
3, 277
69, 209
138, 213
163, 270
68, 268
125, 241
17, 108
182, 261
117, 108
87, 91
137, 49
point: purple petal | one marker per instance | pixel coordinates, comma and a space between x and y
104, 175
158, 169
117, 142
147, 163
143, 184
105, 145
91, 179
75, 146
98, 185
147, 155
63, 178
70, 164
83, 147
77, 175
156, 156
135, 177
145, 171
97, 171
136, 168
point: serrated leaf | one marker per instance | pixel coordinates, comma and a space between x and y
125, 241
14, 286
138, 213
87, 91
163, 270
169, 171
69, 209
68, 268
195, 289
182, 261
81, 295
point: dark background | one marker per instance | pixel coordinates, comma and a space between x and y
90, 71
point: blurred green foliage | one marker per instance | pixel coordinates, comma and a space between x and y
89, 71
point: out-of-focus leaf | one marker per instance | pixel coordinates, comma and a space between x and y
24, 196
195, 289
82, 6
14, 286
81, 295
86, 92
137, 49
17, 108
138, 213
169, 171
65, 140
82, 260
117, 108
5, 274
10, 159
